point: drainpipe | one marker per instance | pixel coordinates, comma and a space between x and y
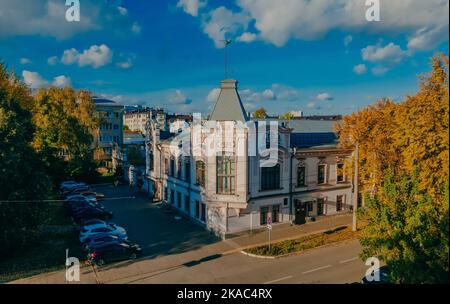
293, 152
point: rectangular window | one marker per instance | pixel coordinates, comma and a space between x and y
172, 197
270, 178
179, 168
172, 168
275, 214
263, 215
340, 173
179, 199
226, 174
166, 166
321, 174
320, 203
187, 170
200, 173
339, 202
301, 175
285, 202
197, 209
165, 194
310, 207
203, 217
187, 205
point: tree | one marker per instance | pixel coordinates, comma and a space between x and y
260, 113
404, 168
22, 176
287, 116
65, 121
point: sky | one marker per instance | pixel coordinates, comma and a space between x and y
320, 57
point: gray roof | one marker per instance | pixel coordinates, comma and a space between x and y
313, 126
229, 106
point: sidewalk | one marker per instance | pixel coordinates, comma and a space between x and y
128, 271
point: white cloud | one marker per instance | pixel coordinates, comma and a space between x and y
122, 10
191, 7
47, 18
61, 81
127, 61
390, 54
269, 94
312, 20
96, 56
52, 60
311, 105
34, 80
24, 61
221, 22
136, 28
213, 95
247, 37
348, 39
379, 70
360, 69
324, 97
178, 98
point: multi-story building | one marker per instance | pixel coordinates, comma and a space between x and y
108, 139
137, 119
300, 173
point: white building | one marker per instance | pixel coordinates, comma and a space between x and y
136, 120
231, 192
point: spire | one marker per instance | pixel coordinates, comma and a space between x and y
229, 106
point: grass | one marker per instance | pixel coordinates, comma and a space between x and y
45, 254
304, 243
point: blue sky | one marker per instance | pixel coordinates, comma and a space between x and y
320, 57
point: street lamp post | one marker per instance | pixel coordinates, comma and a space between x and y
355, 186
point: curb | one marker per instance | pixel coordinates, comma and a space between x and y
259, 256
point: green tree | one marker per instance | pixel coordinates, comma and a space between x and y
260, 113
407, 230
22, 176
287, 116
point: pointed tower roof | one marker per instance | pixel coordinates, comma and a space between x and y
229, 106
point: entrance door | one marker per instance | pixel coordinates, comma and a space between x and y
300, 212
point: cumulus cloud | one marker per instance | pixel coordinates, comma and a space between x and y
360, 69
52, 60
213, 95
34, 80
247, 37
61, 81
221, 22
122, 10
324, 97
136, 28
178, 98
191, 7
126, 62
24, 61
389, 54
269, 94
96, 56
47, 18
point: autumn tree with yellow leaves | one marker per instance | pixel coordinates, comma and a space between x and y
404, 168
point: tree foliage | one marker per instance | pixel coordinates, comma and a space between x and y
260, 113
404, 167
22, 174
287, 116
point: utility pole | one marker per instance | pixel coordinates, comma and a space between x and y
355, 186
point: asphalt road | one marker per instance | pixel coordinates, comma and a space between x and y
328, 265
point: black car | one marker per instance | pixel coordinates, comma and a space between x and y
104, 239
384, 277
91, 213
114, 252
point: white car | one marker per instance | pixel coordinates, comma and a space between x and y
111, 229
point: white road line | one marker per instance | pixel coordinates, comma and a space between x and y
280, 279
316, 269
349, 260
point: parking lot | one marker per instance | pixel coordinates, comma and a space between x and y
157, 232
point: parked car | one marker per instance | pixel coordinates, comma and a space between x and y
87, 223
102, 239
112, 229
97, 195
91, 213
115, 252
384, 277
77, 208
75, 190
67, 185
79, 197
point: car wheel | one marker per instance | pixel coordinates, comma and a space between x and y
133, 256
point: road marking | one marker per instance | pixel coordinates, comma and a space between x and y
349, 260
280, 279
316, 269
